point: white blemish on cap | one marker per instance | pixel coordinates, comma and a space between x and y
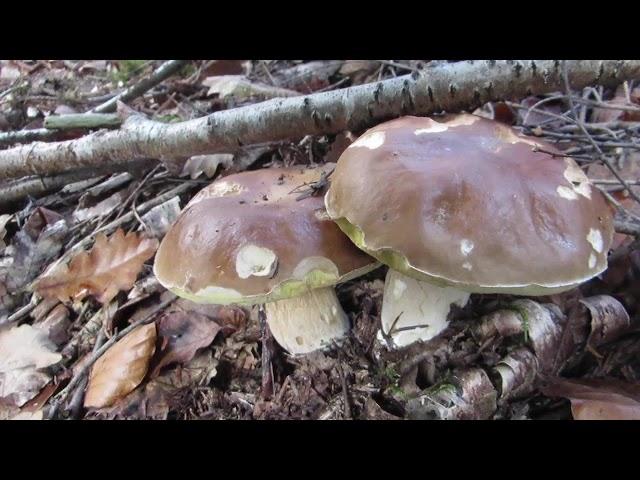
592, 260
467, 266
466, 246
223, 189
256, 261
584, 189
435, 128
566, 192
398, 288
594, 237
371, 141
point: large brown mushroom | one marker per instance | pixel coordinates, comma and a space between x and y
264, 237
461, 204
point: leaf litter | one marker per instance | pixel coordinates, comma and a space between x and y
204, 361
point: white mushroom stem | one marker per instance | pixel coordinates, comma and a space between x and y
413, 310
308, 322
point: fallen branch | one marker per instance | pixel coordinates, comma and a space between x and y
448, 87
36, 186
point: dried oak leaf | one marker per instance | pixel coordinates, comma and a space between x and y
598, 399
112, 265
183, 334
121, 369
24, 350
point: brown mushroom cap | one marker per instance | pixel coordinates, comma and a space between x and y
246, 239
466, 202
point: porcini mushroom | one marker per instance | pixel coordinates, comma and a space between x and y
264, 237
461, 204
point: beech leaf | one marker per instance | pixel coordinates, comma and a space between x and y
121, 369
112, 265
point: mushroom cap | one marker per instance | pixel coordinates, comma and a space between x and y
465, 201
246, 239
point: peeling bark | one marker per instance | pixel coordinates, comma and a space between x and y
450, 87
468, 395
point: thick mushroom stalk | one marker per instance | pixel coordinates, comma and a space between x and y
308, 322
413, 310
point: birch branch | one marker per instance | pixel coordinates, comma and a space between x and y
449, 87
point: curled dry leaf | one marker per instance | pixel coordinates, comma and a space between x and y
239, 87
112, 265
121, 369
183, 334
598, 399
207, 164
24, 351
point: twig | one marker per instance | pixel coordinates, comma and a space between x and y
76, 401
82, 120
267, 369
163, 72
605, 160
345, 392
448, 86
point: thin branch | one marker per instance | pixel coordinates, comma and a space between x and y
442, 87
605, 160
163, 72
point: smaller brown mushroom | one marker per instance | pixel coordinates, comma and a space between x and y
458, 205
264, 237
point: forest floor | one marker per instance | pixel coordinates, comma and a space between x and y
205, 361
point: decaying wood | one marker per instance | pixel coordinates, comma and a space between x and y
451, 87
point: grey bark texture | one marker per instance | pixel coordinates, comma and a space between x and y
451, 87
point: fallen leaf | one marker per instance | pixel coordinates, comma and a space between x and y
121, 369
239, 87
183, 334
158, 396
597, 399
207, 164
112, 265
24, 351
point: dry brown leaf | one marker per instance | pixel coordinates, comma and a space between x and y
183, 334
112, 265
207, 164
121, 369
598, 399
24, 350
